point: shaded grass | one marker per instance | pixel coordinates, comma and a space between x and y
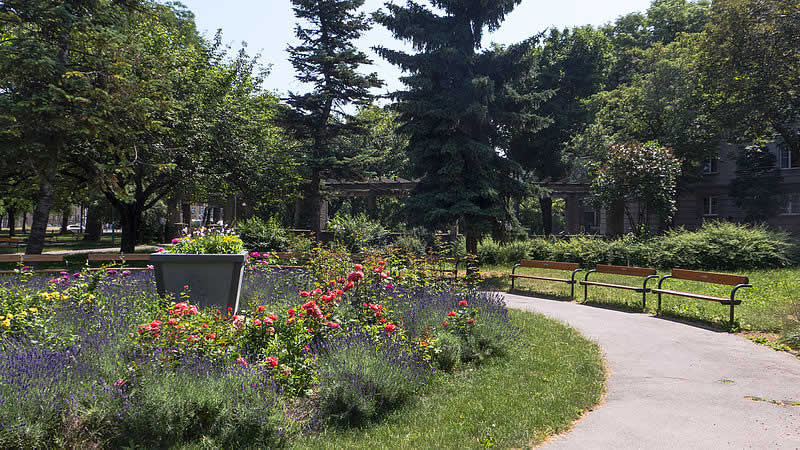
552, 376
763, 308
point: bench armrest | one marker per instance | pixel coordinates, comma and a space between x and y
737, 287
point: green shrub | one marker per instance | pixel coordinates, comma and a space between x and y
212, 244
714, 246
264, 236
358, 232
361, 380
723, 246
446, 354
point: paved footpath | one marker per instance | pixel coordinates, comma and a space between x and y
676, 386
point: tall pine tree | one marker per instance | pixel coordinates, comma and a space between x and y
458, 108
327, 59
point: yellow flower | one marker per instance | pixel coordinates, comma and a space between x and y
9, 316
33, 310
6, 323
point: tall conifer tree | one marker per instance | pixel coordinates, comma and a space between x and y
327, 59
458, 107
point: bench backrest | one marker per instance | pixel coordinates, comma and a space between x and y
119, 257
9, 239
625, 270
548, 264
31, 258
709, 277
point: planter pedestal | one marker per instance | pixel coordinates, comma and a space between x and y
213, 280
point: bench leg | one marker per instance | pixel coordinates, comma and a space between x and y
513, 279
572, 289
644, 300
658, 310
731, 314
585, 292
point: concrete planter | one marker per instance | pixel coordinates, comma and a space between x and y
212, 279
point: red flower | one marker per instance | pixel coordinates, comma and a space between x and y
462, 303
384, 275
291, 312
273, 317
172, 321
272, 361
241, 361
211, 336
332, 324
470, 321
260, 308
155, 324
358, 267
383, 320
348, 286
389, 328
257, 323
304, 293
374, 307
192, 338
445, 323
451, 313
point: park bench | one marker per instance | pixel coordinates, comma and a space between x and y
737, 281
32, 259
10, 241
536, 264
645, 272
118, 257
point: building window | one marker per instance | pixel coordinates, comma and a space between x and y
710, 206
788, 159
791, 204
591, 219
710, 166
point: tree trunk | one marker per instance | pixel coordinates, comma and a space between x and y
173, 217
216, 214
186, 213
12, 221
41, 214
25, 223
546, 205
316, 203
94, 222
64, 222
130, 227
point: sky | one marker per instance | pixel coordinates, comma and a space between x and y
267, 26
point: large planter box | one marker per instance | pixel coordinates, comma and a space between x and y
212, 279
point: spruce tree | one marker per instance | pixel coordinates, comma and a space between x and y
327, 59
458, 107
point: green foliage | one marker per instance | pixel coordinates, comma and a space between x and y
216, 243
757, 183
456, 109
220, 408
327, 59
446, 351
357, 233
714, 246
643, 174
750, 53
492, 252
725, 246
264, 235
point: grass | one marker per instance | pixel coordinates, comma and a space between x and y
763, 308
537, 390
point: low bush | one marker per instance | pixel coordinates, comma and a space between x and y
355, 233
360, 381
264, 235
714, 246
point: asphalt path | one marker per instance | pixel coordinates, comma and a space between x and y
673, 385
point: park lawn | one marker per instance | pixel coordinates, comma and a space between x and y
763, 307
550, 379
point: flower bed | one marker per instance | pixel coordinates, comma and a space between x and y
102, 360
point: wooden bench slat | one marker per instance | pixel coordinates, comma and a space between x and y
709, 277
119, 257
625, 270
10, 258
532, 263
119, 269
535, 277
42, 258
723, 300
616, 286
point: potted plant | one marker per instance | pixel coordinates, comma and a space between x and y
211, 266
